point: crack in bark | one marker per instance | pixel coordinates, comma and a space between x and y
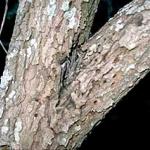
68, 70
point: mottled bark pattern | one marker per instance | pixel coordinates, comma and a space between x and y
57, 84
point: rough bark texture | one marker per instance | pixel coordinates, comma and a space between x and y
57, 84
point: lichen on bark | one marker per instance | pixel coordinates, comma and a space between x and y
57, 83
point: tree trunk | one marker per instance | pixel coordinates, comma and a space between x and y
57, 83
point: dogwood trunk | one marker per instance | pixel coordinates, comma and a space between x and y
58, 83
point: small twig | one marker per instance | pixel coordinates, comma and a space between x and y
2, 25
3, 47
4, 17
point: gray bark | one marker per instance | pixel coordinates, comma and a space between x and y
57, 83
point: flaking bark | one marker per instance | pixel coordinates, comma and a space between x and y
57, 84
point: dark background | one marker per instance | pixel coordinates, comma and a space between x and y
127, 125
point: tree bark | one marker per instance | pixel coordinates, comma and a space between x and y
57, 83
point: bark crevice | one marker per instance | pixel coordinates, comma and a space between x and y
63, 86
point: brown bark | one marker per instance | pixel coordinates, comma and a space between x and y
57, 84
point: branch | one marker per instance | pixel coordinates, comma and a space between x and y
2, 25
112, 62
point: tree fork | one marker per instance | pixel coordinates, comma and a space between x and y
34, 112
